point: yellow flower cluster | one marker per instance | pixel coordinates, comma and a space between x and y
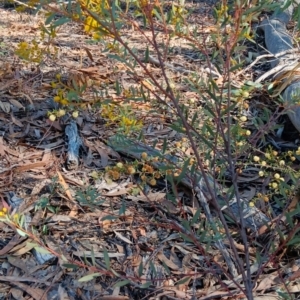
280, 166
31, 52
60, 96
91, 24
116, 171
121, 116
143, 169
5, 213
265, 198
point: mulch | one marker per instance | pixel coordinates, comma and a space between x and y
77, 234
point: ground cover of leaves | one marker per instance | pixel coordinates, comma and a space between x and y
63, 209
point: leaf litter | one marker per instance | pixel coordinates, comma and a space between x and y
120, 233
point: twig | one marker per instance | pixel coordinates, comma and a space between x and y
156, 62
257, 59
277, 69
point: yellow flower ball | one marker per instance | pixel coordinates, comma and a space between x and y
245, 105
61, 113
261, 173
275, 153
75, 114
245, 94
119, 165
64, 102
263, 163
131, 170
276, 176
256, 158
152, 181
144, 155
248, 132
274, 185
266, 198
52, 118
282, 163
157, 175
293, 158
243, 118
251, 204
268, 155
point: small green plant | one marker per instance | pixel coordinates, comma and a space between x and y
44, 204
89, 197
30, 52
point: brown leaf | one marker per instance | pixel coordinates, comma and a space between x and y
66, 188
5, 106
16, 104
266, 283
147, 85
52, 145
89, 54
17, 293
2, 147
37, 294
37, 217
123, 238
27, 167
104, 158
17, 262
150, 197
23, 248
168, 262
96, 254
121, 189
12, 243
16, 121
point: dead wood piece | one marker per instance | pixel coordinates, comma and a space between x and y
272, 56
253, 218
278, 40
290, 94
74, 144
